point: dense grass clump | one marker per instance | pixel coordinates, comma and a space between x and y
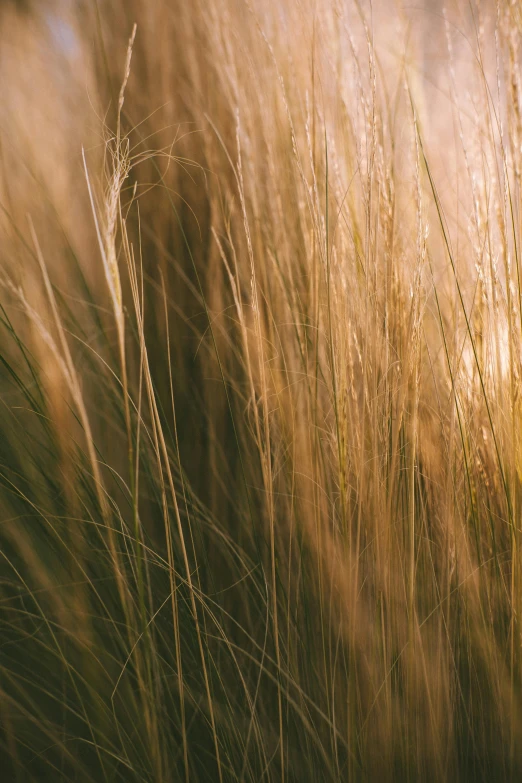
260, 384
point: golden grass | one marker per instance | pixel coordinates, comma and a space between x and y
260, 366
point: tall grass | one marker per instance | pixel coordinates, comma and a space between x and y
260, 367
